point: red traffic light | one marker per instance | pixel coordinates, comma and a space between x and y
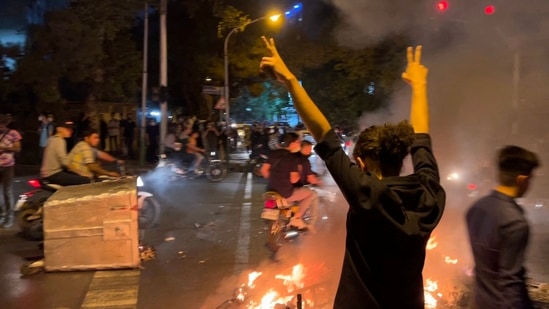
489, 9
442, 6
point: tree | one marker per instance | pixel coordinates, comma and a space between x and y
345, 82
83, 51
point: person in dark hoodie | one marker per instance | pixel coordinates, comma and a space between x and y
390, 217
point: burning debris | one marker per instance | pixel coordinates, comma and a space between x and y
282, 291
448, 284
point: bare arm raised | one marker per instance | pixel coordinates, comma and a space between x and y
311, 116
316, 122
416, 76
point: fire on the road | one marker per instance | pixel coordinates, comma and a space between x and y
288, 284
286, 289
431, 288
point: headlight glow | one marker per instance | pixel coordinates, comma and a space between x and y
453, 176
139, 182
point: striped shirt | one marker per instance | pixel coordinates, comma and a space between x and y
81, 155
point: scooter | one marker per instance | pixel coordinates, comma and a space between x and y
30, 207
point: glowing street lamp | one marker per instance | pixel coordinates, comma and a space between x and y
272, 18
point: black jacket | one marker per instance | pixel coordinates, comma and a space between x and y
388, 225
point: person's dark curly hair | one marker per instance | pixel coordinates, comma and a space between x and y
388, 144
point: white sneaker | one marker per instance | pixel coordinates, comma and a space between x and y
178, 171
298, 222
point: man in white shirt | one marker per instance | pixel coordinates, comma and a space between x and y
55, 161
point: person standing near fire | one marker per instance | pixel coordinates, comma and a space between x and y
498, 234
390, 217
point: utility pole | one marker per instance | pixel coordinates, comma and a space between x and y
516, 92
144, 86
163, 74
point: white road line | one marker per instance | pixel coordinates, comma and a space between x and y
112, 289
243, 245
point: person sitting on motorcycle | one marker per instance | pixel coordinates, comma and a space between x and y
83, 158
173, 148
260, 141
282, 173
307, 175
192, 148
55, 160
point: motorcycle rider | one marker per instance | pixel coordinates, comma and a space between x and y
83, 157
282, 173
306, 172
55, 161
193, 149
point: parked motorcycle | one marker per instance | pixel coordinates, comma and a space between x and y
30, 207
211, 167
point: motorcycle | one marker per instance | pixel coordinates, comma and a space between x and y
256, 163
30, 207
258, 156
276, 214
211, 167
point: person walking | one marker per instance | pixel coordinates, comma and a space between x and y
499, 232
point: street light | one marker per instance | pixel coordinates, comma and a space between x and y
226, 58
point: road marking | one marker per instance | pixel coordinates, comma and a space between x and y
113, 289
243, 245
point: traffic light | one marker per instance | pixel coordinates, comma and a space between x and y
442, 6
489, 9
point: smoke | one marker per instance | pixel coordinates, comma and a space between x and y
487, 85
480, 67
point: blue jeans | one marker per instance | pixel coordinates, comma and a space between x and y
8, 201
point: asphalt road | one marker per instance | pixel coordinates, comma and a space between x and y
211, 239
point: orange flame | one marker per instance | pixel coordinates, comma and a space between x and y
432, 243
295, 280
430, 287
292, 282
449, 260
252, 276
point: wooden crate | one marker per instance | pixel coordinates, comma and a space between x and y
92, 226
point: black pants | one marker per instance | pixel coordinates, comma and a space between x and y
129, 145
67, 179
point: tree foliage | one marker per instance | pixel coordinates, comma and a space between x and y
93, 49
83, 51
345, 82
